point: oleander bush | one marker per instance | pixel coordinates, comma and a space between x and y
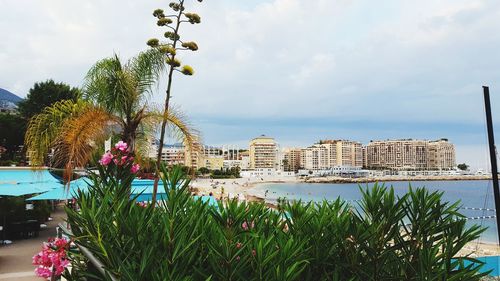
382, 237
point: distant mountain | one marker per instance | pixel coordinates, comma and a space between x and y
8, 96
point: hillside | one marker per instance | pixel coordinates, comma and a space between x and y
8, 96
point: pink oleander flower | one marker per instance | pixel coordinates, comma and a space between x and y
52, 259
42, 259
61, 243
122, 146
106, 158
134, 168
43, 272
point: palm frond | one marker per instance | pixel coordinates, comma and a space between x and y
179, 128
44, 128
146, 68
109, 85
80, 137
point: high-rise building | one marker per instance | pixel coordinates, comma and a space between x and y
409, 154
263, 153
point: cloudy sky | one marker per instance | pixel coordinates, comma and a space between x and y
296, 70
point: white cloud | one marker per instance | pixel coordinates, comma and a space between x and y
410, 61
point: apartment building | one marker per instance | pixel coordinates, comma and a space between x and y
441, 155
332, 153
409, 154
291, 159
263, 153
172, 154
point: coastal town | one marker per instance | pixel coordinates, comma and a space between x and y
265, 158
276, 140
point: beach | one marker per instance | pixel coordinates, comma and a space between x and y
234, 188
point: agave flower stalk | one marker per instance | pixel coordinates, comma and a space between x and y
169, 49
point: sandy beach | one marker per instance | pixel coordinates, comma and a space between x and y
233, 188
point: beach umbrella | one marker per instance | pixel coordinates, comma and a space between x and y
63, 192
142, 187
27, 188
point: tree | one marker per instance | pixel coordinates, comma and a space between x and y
13, 128
113, 103
169, 50
44, 94
204, 170
463, 166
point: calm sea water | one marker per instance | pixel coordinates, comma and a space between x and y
475, 194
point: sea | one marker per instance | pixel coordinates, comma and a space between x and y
475, 196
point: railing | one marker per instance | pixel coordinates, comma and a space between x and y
61, 229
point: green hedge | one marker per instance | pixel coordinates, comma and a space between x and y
383, 237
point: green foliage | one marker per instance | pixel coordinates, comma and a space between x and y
44, 94
463, 166
13, 209
384, 237
13, 127
203, 170
233, 172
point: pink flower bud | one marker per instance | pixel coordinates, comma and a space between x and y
122, 146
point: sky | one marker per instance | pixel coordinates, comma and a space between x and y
299, 71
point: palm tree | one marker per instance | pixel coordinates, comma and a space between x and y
114, 102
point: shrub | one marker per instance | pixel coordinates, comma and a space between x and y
384, 237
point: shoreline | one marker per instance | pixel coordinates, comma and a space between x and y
239, 187
394, 178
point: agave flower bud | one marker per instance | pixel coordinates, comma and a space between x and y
163, 21
176, 7
153, 42
190, 45
172, 36
167, 49
158, 13
187, 70
174, 62
193, 18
